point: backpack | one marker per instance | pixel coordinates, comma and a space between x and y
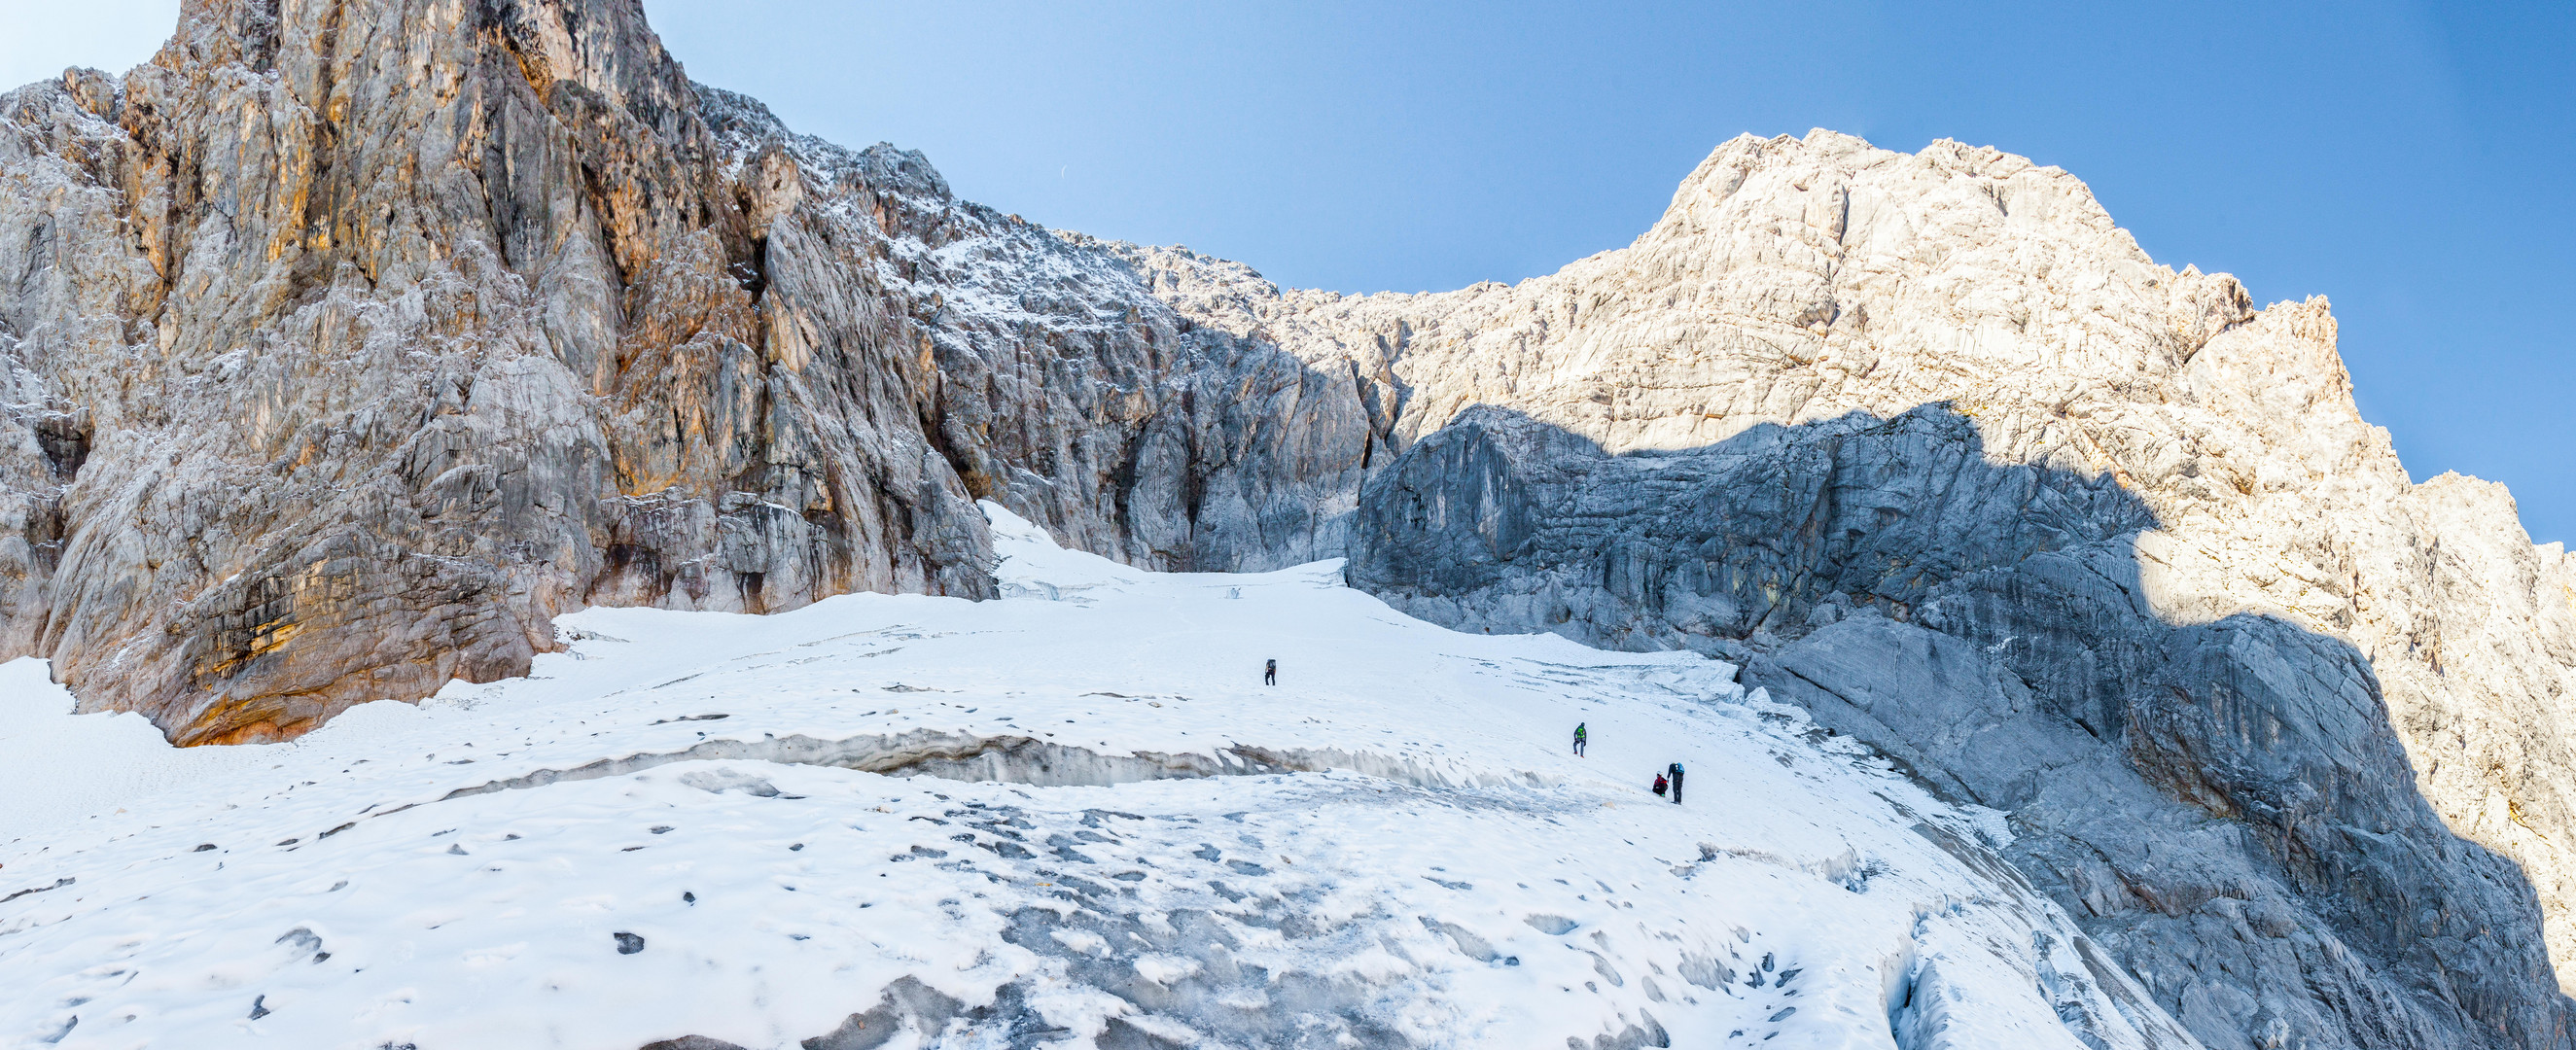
1660, 785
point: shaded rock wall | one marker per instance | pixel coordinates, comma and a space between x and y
2224, 805
1498, 518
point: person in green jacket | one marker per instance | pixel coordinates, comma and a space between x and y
1580, 738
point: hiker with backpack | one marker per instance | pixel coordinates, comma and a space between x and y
1676, 771
1580, 738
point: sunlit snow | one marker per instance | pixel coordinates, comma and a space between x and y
1073, 816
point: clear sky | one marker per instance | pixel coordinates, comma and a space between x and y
2410, 161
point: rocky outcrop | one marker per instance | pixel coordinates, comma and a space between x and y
1499, 518
349, 343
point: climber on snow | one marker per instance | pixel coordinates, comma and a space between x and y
1676, 771
1580, 738
1660, 785
1270, 673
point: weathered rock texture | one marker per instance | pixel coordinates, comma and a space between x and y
350, 340
1934, 447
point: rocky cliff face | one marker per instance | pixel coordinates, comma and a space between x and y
348, 343
1929, 443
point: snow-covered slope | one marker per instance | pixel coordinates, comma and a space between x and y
718, 826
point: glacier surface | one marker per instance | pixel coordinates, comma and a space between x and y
1072, 816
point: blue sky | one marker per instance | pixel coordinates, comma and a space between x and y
2409, 161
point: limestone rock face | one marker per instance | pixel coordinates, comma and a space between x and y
1857, 417
349, 343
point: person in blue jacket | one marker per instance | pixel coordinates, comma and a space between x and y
1675, 772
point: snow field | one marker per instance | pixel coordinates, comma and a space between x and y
716, 825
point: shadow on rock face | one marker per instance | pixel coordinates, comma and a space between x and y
2223, 804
